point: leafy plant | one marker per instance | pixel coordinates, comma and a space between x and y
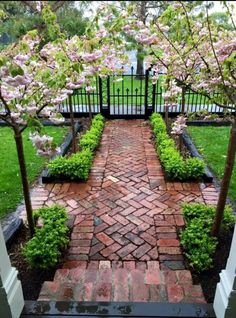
44, 249
175, 165
78, 165
199, 245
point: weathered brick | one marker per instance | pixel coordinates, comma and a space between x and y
105, 239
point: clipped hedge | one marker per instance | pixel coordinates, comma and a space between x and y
199, 246
176, 167
78, 165
44, 249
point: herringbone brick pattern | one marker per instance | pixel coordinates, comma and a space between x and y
126, 213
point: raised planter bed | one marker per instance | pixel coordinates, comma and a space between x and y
207, 176
208, 123
45, 176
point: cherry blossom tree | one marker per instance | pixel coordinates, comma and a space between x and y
34, 81
199, 55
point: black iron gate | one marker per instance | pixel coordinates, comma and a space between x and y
126, 96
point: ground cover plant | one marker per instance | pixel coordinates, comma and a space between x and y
214, 153
199, 246
44, 249
78, 165
10, 190
176, 167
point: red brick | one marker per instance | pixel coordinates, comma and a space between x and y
147, 204
121, 219
179, 220
126, 250
103, 286
153, 253
169, 250
168, 242
130, 265
139, 291
96, 248
140, 212
107, 219
80, 243
84, 229
110, 249
105, 239
175, 293
149, 238
141, 250
152, 277
74, 264
121, 288
134, 238
134, 219
128, 211
93, 265
82, 236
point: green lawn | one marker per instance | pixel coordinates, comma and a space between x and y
10, 190
212, 142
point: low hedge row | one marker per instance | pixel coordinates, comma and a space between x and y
44, 249
199, 246
78, 165
176, 167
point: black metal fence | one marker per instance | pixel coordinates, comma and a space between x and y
132, 95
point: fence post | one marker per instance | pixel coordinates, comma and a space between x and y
100, 94
146, 94
153, 96
108, 96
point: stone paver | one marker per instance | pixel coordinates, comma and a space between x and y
126, 213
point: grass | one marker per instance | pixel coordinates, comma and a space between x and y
11, 190
212, 142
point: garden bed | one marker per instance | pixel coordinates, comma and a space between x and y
209, 279
75, 167
31, 279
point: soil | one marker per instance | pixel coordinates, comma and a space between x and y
209, 279
31, 279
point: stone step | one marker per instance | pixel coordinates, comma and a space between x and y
122, 284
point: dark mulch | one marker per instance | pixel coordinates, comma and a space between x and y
209, 279
31, 279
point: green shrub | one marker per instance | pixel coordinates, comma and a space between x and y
174, 164
44, 249
78, 165
194, 168
199, 245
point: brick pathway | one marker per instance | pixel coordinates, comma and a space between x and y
124, 243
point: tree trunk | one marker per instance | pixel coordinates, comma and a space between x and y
167, 117
226, 181
24, 179
140, 68
183, 100
72, 123
90, 109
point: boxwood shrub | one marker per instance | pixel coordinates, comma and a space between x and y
176, 167
78, 165
199, 246
44, 249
